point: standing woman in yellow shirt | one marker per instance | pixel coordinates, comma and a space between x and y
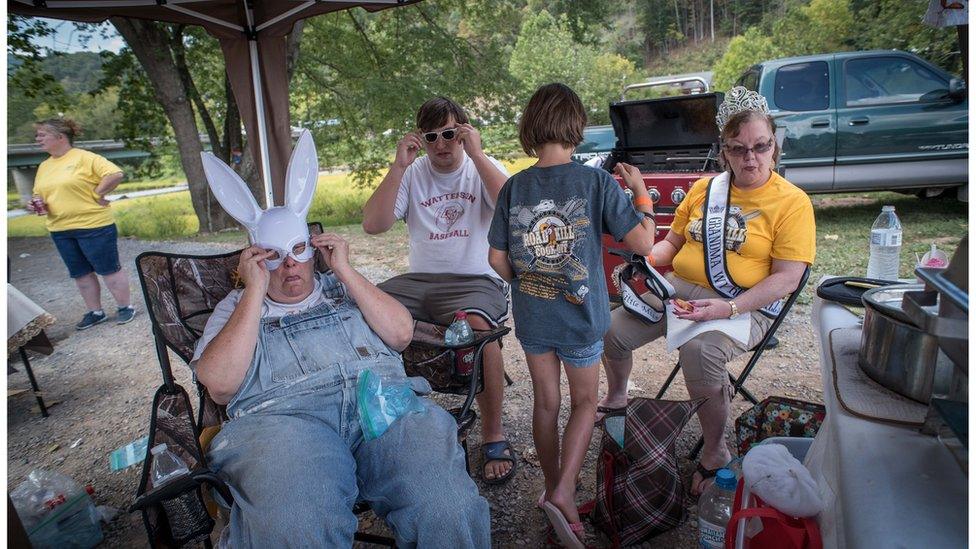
739, 243
72, 185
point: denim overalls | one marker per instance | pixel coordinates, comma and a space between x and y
295, 458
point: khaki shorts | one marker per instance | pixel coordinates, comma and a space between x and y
435, 297
703, 358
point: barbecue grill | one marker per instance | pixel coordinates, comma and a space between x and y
674, 142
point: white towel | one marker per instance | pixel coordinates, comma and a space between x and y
773, 474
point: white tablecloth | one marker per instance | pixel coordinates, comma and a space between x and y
25, 319
883, 485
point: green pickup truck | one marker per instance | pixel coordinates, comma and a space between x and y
867, 121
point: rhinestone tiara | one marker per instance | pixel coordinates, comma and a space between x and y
737, 100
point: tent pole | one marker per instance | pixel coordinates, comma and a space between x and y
262, 123
252, 45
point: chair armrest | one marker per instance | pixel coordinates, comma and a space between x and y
182, 485
427, 333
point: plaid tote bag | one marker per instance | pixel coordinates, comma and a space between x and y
639, 492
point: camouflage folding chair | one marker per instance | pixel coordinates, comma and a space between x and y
181, 292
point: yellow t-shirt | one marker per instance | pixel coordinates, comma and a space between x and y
774, 221
67, 185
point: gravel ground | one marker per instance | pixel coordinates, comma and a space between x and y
103, 380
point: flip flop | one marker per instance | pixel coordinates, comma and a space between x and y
705, 474
495, 451
567, 532
605, 410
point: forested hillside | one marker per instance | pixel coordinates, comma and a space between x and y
359, 77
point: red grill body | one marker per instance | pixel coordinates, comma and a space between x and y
673, 142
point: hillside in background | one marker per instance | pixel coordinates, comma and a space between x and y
351, 68
77, 75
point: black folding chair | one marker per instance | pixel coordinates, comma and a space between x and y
757, 351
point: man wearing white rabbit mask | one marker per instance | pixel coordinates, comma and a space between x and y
447, 198
284, 355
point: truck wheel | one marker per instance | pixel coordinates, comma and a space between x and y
962, 193
931, 192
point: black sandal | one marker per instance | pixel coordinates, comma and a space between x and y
495, 451
705, 474
606, 411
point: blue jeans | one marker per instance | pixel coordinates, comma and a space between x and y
296, 461
577, 356
86, 250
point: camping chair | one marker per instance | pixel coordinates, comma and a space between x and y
757, 351
429, 357
180, 293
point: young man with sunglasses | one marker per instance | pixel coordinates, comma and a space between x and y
447, 198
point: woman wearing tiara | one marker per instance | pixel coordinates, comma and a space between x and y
743, 266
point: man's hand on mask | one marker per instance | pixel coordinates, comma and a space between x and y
252, 269
334, 250
470, 139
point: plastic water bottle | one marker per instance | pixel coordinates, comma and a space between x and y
885, 245
460, 333
715, 510
188, 520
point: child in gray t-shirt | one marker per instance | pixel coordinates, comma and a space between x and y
545, 240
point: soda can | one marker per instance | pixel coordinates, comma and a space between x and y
464, 361
38, 205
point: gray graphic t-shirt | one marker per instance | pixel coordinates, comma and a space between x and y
550, 221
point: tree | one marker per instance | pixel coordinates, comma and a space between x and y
362, 76
823, 26
743, 52
897, 24
546, 52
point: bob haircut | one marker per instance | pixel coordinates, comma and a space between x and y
734, 126
65, 126
435, 113
555, 114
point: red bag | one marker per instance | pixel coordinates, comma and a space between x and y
779, 531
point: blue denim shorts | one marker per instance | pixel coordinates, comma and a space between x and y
577, 356
89, 250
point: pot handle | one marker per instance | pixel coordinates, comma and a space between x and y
919, 306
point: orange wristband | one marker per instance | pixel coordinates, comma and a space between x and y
643, 201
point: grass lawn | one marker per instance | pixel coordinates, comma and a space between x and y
13, 197
337, 202
843, 222
844, 226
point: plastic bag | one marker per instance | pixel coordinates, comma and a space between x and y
56, 511
381, 403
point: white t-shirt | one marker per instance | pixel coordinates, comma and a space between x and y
448, 216
269, 309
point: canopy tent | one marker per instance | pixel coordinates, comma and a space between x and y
252, 35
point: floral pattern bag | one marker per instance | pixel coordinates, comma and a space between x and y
777, 417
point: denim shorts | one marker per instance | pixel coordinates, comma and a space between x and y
89, 250
577, 356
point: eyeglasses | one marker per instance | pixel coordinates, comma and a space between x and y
447, 135
297, 250
758, 148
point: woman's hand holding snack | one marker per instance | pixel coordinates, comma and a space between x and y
700, 310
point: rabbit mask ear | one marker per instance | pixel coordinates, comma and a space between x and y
232, 193
302, 176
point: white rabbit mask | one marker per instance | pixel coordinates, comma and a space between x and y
282, 228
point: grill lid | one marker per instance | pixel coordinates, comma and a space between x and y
670, 122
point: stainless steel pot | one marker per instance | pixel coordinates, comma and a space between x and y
895, 352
